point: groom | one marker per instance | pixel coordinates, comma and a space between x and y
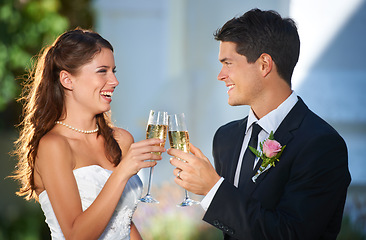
303, 195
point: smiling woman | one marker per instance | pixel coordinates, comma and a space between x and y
80, 168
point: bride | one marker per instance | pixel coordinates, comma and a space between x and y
80, 168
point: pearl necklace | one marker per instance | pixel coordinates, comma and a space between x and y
78, 130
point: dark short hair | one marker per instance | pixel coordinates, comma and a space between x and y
257, 32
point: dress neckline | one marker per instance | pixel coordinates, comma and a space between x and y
89, 166
78, 169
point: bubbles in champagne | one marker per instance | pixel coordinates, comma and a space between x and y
179, 140
157, 131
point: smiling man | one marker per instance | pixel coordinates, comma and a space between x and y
302, 196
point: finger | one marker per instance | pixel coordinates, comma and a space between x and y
178, 163
177, 172
150, 141
148, 164
178, 181
140, 156
197, 152
154, 149
136, 151
154, 140
179, 154
153, 157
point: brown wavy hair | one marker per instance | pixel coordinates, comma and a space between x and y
43, 97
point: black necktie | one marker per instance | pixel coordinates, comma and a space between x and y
249, 157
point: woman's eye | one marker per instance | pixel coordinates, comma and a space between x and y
102, 71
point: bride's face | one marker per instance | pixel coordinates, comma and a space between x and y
94, 83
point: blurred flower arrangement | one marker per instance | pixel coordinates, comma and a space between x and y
166, 221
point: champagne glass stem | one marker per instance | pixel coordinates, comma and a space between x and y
187, 196
150, 178
148, 198
187, 201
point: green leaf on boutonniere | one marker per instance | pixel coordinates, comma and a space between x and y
255, 151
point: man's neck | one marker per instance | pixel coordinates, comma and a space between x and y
270, 101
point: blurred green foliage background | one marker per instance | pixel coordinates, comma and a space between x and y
26, 26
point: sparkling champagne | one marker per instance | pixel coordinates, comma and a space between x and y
179, 140
157, 131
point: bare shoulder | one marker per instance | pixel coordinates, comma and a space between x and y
53, 150
123, 137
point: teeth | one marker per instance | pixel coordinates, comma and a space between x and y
108, 94
230, 87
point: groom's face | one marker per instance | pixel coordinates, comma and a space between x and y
241, 78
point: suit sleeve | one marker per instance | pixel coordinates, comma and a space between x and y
309, 206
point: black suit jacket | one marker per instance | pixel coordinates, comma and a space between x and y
302, 197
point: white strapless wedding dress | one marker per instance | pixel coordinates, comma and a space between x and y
90, 181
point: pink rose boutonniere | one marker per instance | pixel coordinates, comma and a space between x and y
270, 151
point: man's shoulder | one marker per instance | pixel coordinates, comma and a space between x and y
316, 123
235, 124
233, 127
312, 126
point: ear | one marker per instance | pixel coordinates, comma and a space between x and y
65, 79
266, 64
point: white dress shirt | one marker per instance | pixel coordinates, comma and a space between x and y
269, 122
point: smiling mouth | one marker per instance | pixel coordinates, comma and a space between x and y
107, 94
230, 87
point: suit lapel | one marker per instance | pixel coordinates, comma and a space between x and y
283, 135
291, 122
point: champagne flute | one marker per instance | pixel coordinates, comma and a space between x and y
157, 127
179, 139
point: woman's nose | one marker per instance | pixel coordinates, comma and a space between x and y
113, 81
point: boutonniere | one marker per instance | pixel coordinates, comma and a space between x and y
270, 151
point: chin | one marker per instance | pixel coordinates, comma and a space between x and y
235, 103
105, 110
232, 103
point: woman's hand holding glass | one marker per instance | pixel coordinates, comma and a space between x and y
157, 127
138, 154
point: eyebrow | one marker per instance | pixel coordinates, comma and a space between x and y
104, 66
224, 59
